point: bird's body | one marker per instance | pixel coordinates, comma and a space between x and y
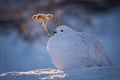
71, 49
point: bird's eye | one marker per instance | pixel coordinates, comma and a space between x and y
61, 30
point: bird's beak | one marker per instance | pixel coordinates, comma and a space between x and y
54, 32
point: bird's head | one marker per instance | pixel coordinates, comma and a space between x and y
62, 29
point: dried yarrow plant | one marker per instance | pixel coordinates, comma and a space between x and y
43, 19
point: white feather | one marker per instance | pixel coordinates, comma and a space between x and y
72, 49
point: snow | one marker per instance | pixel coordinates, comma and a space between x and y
95, 73
41, 74
18, 55
92, 73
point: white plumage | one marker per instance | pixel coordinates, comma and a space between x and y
72, 49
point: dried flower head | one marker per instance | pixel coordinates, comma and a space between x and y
43, 19
34, 17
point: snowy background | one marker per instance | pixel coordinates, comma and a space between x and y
23, 41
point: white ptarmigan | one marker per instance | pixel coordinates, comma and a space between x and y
72, 49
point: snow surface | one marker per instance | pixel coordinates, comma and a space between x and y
92, 73
18, 55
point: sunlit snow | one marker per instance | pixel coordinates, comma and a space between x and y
93, 73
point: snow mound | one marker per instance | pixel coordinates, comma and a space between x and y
92, 73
